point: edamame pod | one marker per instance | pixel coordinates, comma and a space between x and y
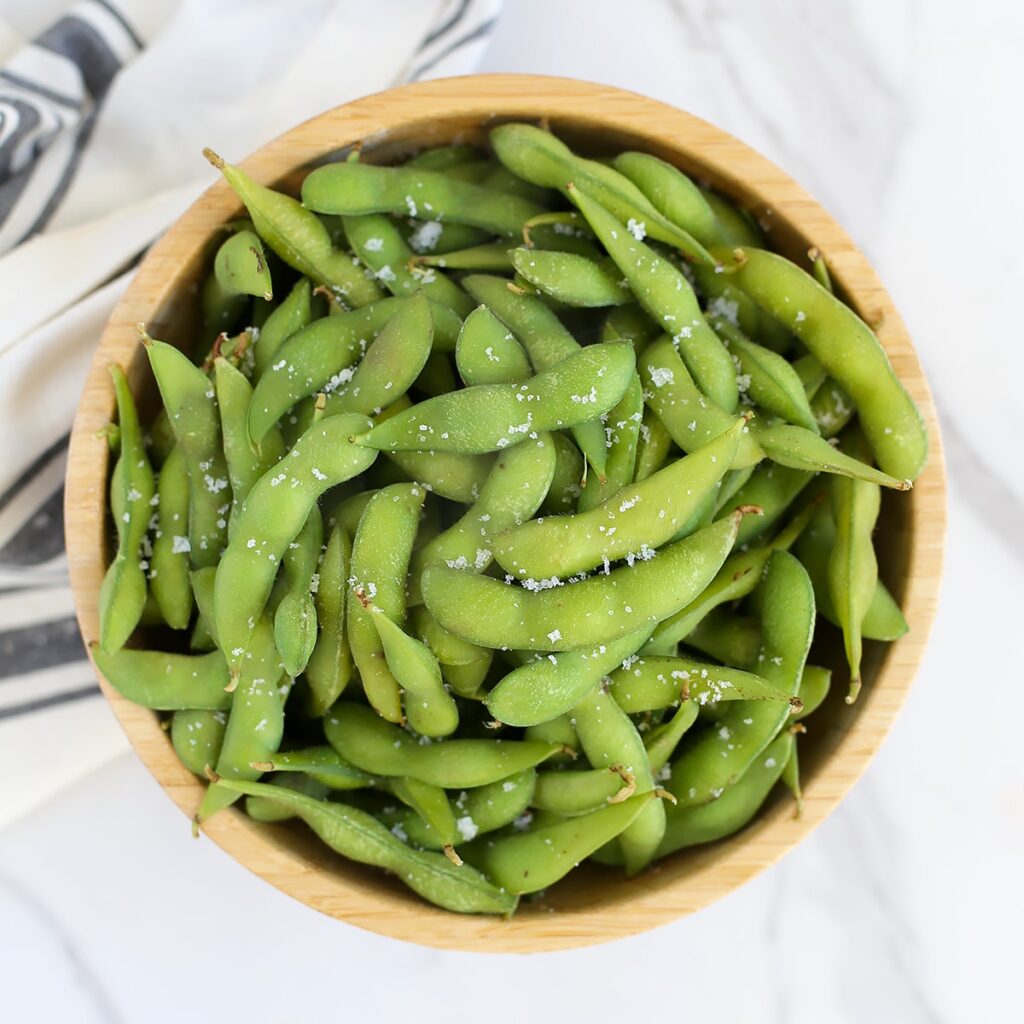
846, 347
662, 289
572, 279
122, 595
324, 764
622, 427
539, 157
239, 270
381, 550
197, 736
381, 247
298, 237
594, 611
428, 706
537, 858
722, 754
295, 621
490, 417
190, 402
545, 688
546, 341
652, 683
166, 682
272, 517
488, 353
330, 665
634, 523
364, 739
169, 563
294, 313
360, 837
609, 737
358, 188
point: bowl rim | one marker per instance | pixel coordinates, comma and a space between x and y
662, 894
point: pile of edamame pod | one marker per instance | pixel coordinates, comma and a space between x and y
486, 527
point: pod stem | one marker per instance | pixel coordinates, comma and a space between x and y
629, 780
449, 851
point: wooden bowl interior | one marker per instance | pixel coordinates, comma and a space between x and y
593, 904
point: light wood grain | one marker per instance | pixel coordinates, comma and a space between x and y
593, 905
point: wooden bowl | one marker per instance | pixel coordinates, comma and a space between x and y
592, 905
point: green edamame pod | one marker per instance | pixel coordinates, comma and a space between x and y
652, 683
323, 764
447, 647
261, 809
246, 462
846, 347
294, 313
722, 754
298, 237
652, 447
814, 687
811, 373
320, 356
197, 736
488, 353
295, 620
737, 226
662, 290
622, 427
451, 475
166, 682
354, 189
364, 739
435, 236
466, 680
391, 363
572, 279
255, 722
634, 522
381, 550
737, 578
330, 665
191, 405
272, 517
722, 298
537, 858
852, 565
514, 490
169, 563
547, 343
437, 376
663, 740
798, 448
609, 737
539, 157
544, 688
381, 247
630, 323
486, 258
431, 804
570, 470
441, 158
490, 417
672, 193
731, 639
239, 270
771, 382
594, 611
428, 707
360, 837
122, 596
477, 811
690, 419
502, 179
692, 825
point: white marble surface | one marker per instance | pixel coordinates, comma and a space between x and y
903, 117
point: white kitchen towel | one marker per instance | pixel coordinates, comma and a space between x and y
105, 106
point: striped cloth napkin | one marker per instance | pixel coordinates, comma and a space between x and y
103, 114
